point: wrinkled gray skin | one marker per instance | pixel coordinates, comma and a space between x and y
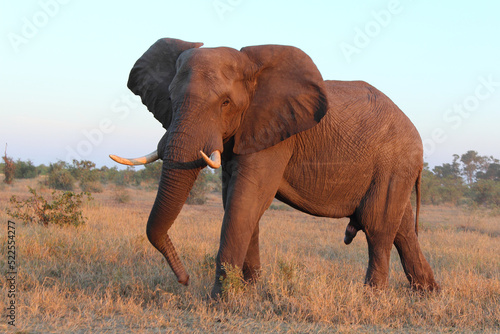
328, 148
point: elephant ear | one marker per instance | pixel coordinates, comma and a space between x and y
153, 73
289, 97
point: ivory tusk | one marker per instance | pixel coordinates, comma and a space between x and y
151, 157
214, 160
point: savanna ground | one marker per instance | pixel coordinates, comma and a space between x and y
105, 277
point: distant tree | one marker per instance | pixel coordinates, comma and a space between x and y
87, 174
485, 192
451, 189
430, 186
107, 174
492, 173
126, 177
214, 179
60, 177
42, 169
198, 194
81, 169
448, 170
474, 163
152, 171
25, 170
9, 169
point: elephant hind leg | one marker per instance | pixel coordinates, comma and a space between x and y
351, 230
416, 267
380, 215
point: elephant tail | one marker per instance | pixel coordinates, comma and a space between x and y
417, 188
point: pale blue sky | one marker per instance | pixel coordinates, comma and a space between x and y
64, 65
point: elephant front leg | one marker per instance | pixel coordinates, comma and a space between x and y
251, 265
250, 191
239, 242
239, 248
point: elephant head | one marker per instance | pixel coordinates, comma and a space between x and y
205, 97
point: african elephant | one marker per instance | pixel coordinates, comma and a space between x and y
328, 148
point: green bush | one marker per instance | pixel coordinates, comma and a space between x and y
60, 177
107, 175
87, 174
485, 192
91, 186
25, 170
126, 177
64, 209
232, 283
42, 169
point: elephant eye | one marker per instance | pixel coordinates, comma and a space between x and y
225, 103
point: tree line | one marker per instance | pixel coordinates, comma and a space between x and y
87, 177
469, 179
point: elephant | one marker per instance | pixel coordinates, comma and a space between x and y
278, 130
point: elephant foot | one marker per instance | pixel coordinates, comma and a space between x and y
432, 286
216, 293
251, 274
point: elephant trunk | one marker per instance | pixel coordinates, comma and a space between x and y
173, 191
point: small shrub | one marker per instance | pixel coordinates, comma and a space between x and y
60, 177
91, 186
121, 195
288, 274
89, 177
64, 209
287, 270
233, 283
61, 180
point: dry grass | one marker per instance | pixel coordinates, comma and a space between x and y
106, 277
